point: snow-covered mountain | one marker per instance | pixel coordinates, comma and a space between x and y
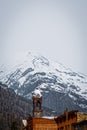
60, 86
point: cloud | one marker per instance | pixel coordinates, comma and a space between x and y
57, 29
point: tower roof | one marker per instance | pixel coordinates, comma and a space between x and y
37, 93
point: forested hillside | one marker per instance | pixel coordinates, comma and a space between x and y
13, 109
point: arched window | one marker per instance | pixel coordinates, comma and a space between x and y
38, 105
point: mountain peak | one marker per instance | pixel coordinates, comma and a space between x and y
51, 78
38, 58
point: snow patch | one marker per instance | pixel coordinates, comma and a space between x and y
48, 117
37, 93
22, 80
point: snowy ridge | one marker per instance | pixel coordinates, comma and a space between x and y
37, 72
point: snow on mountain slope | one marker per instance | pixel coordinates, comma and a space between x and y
37, 72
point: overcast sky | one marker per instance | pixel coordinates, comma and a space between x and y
57, 29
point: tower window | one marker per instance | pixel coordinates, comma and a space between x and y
38, 106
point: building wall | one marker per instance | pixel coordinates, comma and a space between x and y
44, 124
53, 124
81, 116
82, 125
66, 125
67, 121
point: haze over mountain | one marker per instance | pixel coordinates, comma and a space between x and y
60, 86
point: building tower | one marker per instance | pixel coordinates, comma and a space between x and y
37, 104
